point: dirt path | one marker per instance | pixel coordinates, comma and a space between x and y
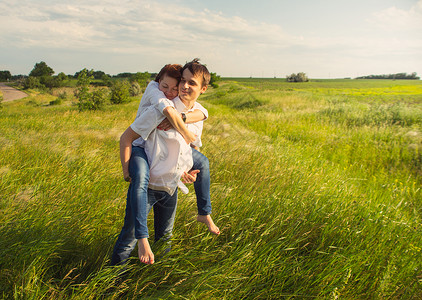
10, 94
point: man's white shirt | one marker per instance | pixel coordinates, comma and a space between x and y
168, 153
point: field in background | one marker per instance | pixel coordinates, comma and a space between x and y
316, 187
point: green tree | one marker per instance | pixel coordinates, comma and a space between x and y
141, 78
106, 80
62, 77
124, 75
87, 100
214, 79
41, 69
98, 74
5, 75
82, 92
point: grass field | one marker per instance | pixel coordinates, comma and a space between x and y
316, 187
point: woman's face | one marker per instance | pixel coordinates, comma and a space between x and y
168, 85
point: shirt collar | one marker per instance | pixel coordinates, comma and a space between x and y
181, 107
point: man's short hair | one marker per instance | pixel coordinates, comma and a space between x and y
198, 69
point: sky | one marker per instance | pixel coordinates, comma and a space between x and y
248, 38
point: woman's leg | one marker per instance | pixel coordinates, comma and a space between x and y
202, 190
126, 241
138, 196
135, 224
139, 173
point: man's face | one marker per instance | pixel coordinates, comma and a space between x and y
190, 87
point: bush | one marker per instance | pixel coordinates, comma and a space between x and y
106, 80
49, 81
119, 92
93, 101
61, 78
135, 89
59, 100
213, 80
299, 77
99, 98
31, 82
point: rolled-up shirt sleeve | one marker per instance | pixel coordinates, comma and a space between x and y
146, 122
196, 128
149, 117
203, 110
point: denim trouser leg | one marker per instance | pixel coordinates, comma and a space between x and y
202, 183
135, 222
138, 189
164, 213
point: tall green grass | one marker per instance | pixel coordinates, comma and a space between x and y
316, 190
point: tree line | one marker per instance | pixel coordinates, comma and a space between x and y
42, 75
412, 76
42, 69
109, 89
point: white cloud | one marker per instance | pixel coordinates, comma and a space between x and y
396, 19
137, 25
116, 34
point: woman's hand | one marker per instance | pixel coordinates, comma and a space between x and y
126, 176
165, 125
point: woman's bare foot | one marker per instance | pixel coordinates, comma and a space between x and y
207, 220
144, 252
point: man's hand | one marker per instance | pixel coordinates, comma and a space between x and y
190, 137
165, 125
189, 177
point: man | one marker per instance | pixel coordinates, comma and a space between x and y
161, 194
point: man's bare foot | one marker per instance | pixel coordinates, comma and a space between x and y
207, 220
144, 252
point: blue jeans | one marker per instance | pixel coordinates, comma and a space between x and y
137, 192
137, 197
202, 183
138, 203
164, 213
